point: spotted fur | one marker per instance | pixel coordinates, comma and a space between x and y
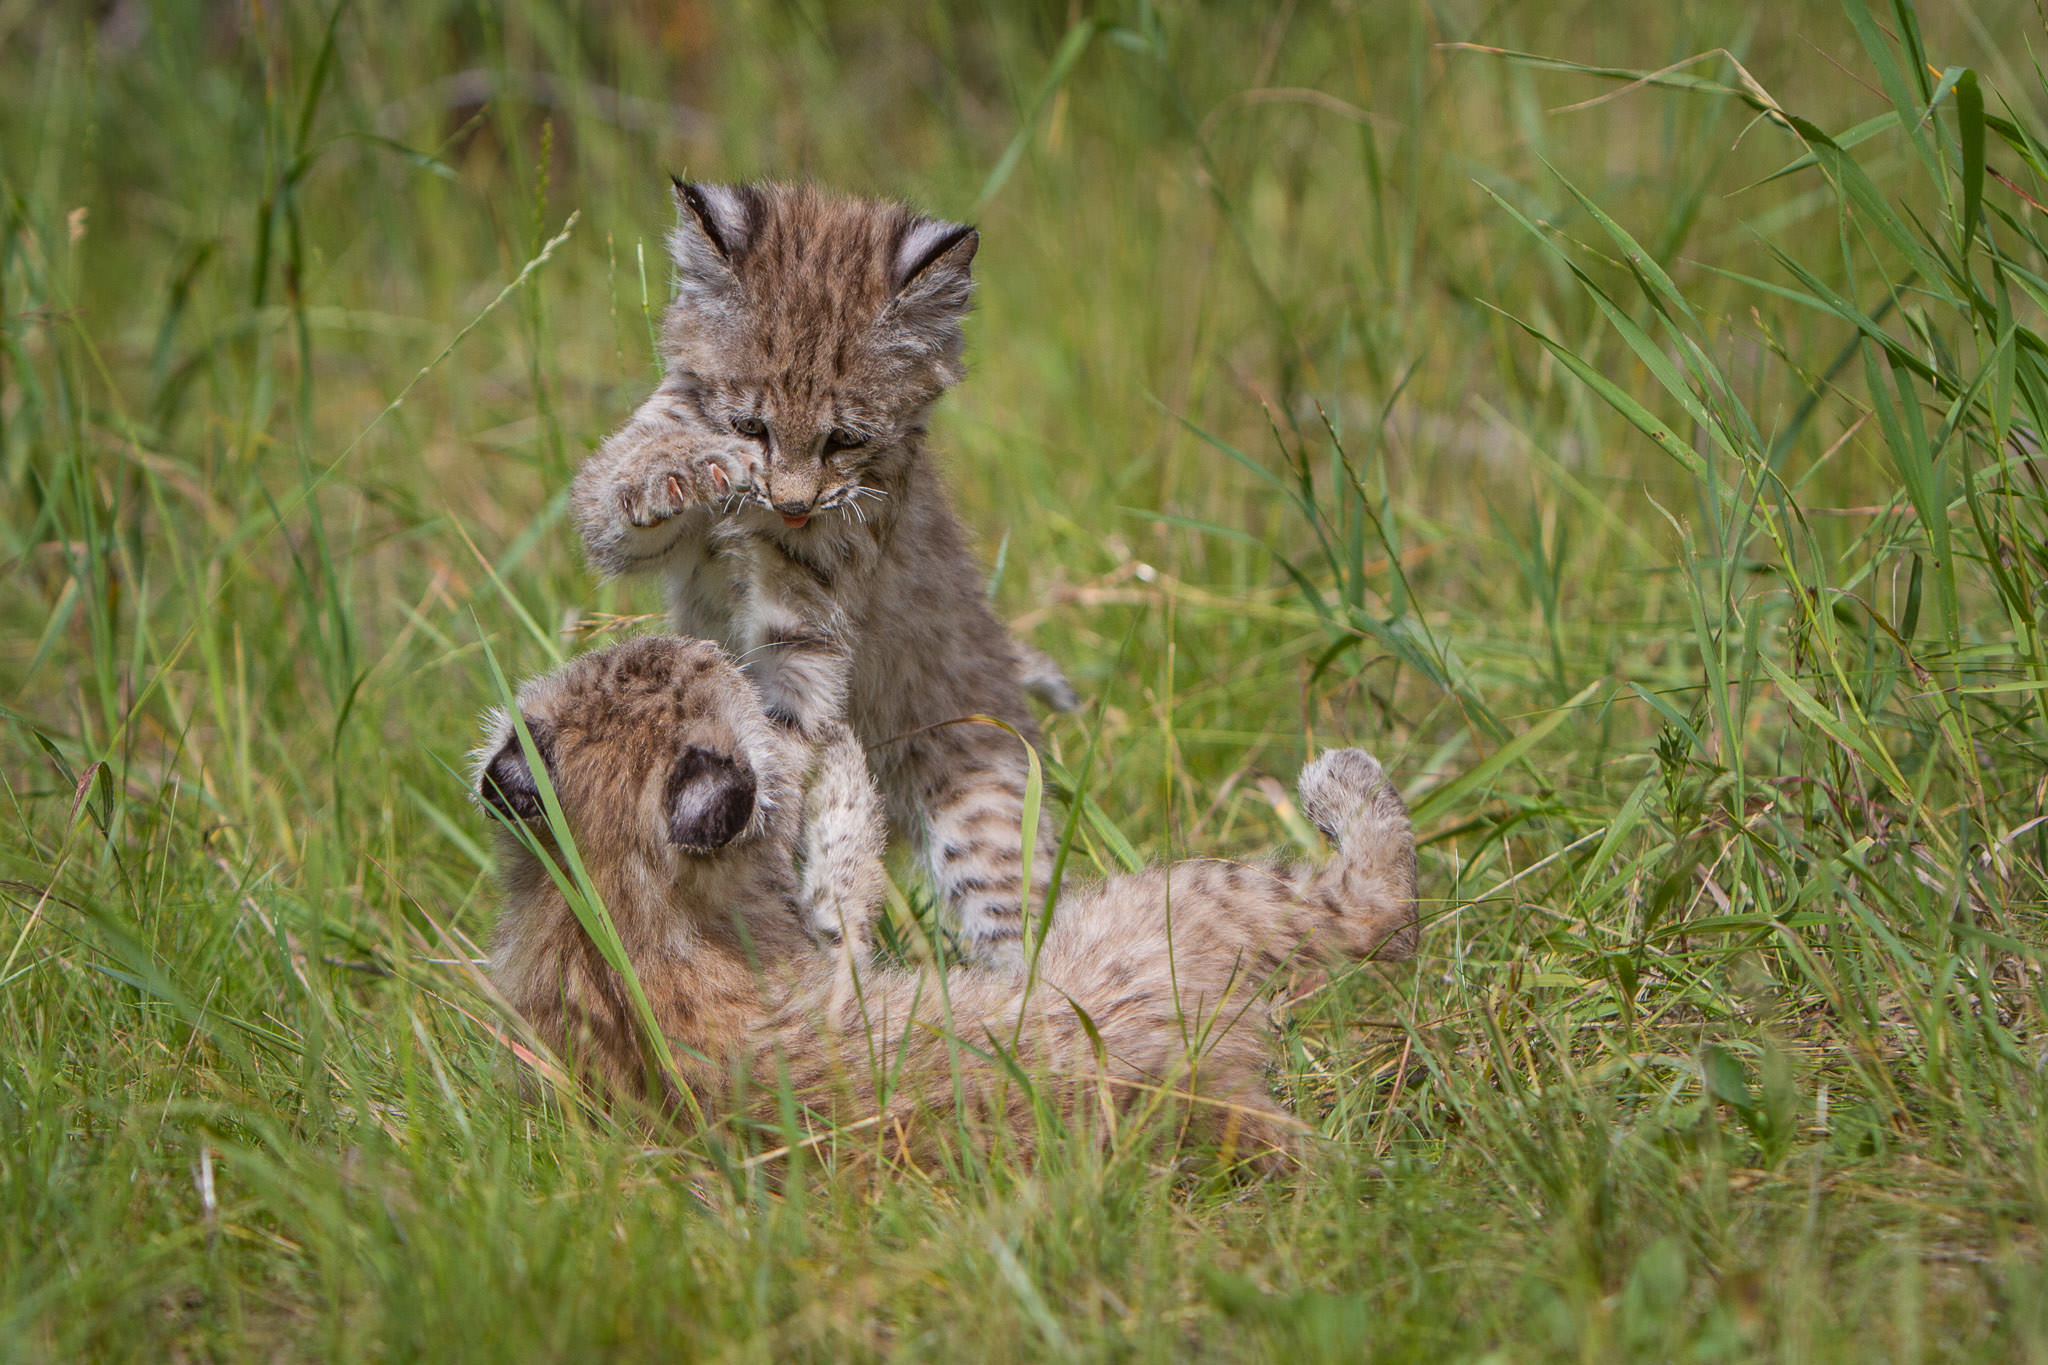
1146, 988
779, 483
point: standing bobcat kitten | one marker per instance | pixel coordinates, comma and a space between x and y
778, 481
685, 807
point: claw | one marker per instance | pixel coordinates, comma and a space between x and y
719, 481
675, 489
635, 514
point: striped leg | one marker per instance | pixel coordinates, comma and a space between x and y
973, 845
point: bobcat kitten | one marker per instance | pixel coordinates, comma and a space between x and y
778, 480
661, 758
685, 806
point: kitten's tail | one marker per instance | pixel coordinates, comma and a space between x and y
1043, 678
1367, 889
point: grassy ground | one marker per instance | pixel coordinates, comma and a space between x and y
1657, 522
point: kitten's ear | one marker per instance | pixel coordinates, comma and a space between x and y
932, 266
934, 286
710, 800
928, 241
714, 226
506, 783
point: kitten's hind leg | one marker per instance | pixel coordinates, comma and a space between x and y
972, 843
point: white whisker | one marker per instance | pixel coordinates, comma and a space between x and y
768, 644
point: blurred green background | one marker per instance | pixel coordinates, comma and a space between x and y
1720, 693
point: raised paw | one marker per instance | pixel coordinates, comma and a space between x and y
1339, 783
652, 499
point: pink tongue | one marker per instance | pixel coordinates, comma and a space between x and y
796, 521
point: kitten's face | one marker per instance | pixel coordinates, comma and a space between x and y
812, 333
656, 748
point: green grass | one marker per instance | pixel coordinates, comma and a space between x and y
1656, 520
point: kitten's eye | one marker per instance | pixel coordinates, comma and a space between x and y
752, 427
842, 439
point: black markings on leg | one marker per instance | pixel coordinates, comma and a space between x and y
975, 886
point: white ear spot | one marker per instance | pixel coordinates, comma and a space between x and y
729, 215
923, 242
714, 225
497, 728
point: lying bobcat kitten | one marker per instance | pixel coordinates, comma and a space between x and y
691, 816
778, 480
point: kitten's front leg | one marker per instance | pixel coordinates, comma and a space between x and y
652, 490
796, 632
842, 844
799, 663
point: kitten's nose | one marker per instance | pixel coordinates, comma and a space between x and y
794, 512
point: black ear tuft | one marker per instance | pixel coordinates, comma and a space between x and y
727, 215
507, 785
710, 800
